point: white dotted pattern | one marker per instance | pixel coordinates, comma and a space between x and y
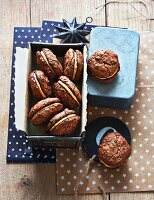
19, 149
137, 174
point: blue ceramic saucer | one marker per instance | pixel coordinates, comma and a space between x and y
98, 129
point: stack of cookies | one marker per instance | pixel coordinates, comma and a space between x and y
54, 86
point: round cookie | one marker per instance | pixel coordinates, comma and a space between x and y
49, 63
114, 150
67, 92
103, 65
44, 110
40, 84
73, 64
63, 123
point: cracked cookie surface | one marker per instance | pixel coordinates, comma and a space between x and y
67, 92
44, 110
64, 123
40, 85
73, 64
49, 63
103, 65
114, 150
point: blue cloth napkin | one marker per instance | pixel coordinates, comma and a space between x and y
19, 149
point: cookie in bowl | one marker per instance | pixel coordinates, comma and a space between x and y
114, 150
104, 65
44, 110
73, 64
64, 123
40, 85
49, 63
67, 92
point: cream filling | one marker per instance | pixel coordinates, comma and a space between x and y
106, 77
68, 90
75, 66
44, 58
60, 121
106, 164
109, 166
39, 87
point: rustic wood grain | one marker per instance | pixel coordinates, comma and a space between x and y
132, 196
57, 10
124, 15
38, 181
12, 13
33, 182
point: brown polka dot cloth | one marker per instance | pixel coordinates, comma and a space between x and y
138, 173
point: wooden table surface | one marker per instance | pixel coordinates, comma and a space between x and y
37, 181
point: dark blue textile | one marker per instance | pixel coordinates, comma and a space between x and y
19, 150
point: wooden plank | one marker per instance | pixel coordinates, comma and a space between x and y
56, 11
22, 181
152, 15
38, 181
132, 196
12, 13
28, 182
131, 15
44, 9
124, 15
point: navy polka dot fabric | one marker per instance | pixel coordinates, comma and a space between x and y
19, 148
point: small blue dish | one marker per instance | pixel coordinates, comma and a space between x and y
98, 129
120, 92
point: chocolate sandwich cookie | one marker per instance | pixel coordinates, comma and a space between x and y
73, 64
49, 63
67, 92
114, 150
103, 65
44, 110
63, 123
40, 84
